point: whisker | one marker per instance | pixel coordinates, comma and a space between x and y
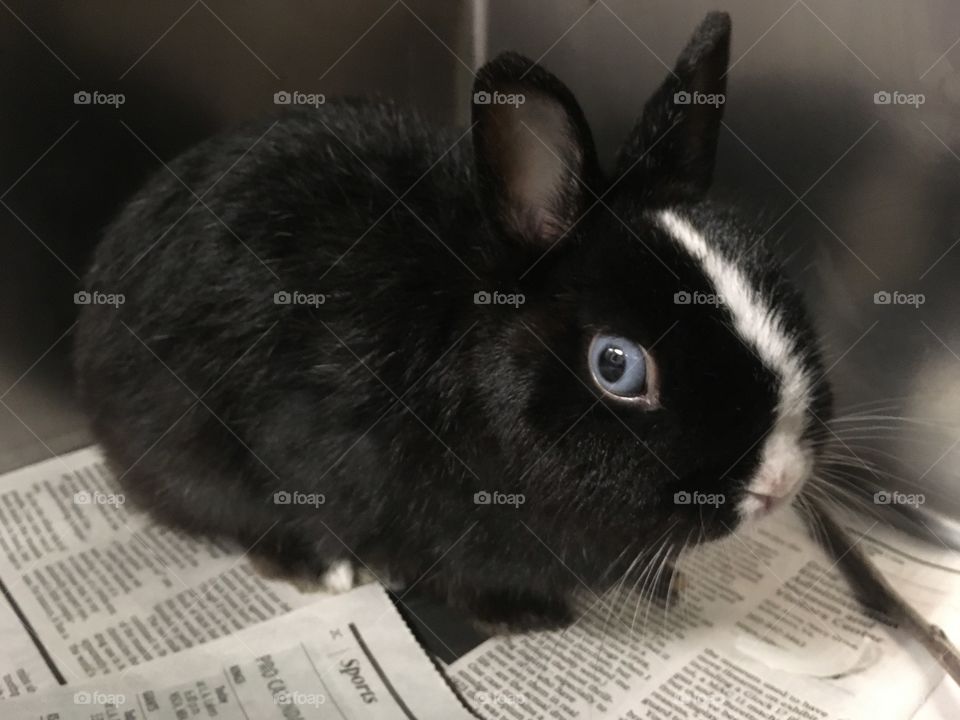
648, 570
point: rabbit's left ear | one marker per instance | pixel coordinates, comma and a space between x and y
670, 153
535, 157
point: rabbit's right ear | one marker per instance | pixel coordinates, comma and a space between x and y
535, 158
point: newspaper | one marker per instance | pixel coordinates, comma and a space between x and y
765, 628
142, 622
103, 587
138, 621
349, 656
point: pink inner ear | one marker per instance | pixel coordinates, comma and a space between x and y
537, 224
539, 160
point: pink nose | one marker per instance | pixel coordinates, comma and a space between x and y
769, 501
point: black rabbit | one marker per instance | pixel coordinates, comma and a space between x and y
462, 359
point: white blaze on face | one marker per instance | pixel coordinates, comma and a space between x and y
786, 460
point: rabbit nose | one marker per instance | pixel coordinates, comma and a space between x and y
774, 484
767, 502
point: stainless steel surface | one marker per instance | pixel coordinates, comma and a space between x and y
186, 69
862, 196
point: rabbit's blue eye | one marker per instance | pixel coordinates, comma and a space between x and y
618, 366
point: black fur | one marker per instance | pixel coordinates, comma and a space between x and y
399, 398
670, 154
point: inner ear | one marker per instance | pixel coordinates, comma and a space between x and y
535, 159
534, 153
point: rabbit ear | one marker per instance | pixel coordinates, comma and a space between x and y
670, 153
535, 156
